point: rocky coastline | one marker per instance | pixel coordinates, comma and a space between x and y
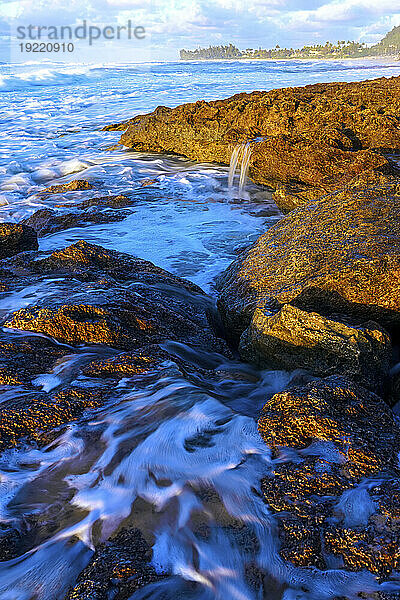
306, 142
317, 294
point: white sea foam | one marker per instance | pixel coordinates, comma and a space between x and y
191, 454
356, 507
48, 77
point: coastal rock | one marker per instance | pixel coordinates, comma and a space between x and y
87, 262
90, 262
46, 221
101, 302
118, 568
77, 185
360, 426
337, 256
117, 317
118, 126
295, 339
306, 142
44, 396
126, 364
106, 297
15, 238
21, 360
371, 543
327, 438
143, 360
32, 415
119, 201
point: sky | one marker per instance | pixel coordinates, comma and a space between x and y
174, 24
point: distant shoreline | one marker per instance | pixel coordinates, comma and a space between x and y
315, 59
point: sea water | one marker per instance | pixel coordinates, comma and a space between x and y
105, 468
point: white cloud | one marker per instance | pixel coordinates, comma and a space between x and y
189, 23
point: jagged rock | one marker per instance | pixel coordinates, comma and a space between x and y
31, 416
152, 306
127, 364
15, 238
338, 434
306, 142
147, 362
89, 262
46, 221
119, 201
356, 421
295, 339
21, 360
93, 297
373, 545
118, 568
116, 317
71, 186
337, 256
118, 126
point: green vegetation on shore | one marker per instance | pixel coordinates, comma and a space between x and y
388, 46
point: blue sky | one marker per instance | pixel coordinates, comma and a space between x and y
175, 24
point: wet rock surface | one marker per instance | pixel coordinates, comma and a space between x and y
336, 476
98, 303
22, 359
337, 262
15, 238
76, 185
306, 142
89, 262
148, 359
46, 221
37, 416
118, 568
150, 307
119, 201
295, 339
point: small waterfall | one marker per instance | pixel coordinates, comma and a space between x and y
238, 149
240, 154
245, 167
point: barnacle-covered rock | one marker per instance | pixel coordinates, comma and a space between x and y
90, 262
296, 339
118, 568
124, 302
72, 186
15, 238
46, 221
305, 141
328, 438
32, 415
23, 359
338, 256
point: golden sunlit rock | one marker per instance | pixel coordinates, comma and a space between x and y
15, 238
338, 257
307, 141
296, 339
342, 434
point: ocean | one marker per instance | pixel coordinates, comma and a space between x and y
50, 133
189, 222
